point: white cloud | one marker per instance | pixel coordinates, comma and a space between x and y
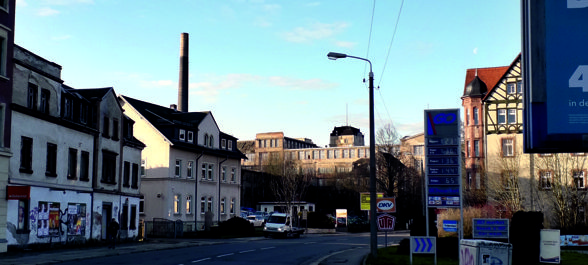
345, 44
475, 50
315, 31
47, 11
21, 3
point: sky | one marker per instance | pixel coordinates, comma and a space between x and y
261, 65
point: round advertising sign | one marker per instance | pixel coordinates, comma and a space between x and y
386, 205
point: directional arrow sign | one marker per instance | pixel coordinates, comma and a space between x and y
422, 245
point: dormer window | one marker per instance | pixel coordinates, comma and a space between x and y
190, 137
224, 144
32, 96
230, 145
182, 135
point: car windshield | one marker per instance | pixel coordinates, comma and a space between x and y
277, 219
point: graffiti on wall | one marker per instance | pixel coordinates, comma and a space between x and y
466, 257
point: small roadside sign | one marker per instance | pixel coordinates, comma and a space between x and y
423, 245
386, 205
450, 225
386, 222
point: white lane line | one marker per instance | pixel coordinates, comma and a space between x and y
245, 251
200, 260
307, 243
224, 255
267, 248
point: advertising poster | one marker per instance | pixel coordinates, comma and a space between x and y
54, 213
43, 220
76, 219
549, 248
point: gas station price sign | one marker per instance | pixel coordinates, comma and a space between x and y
443, 156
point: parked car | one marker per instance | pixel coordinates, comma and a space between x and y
255, 221
279, 224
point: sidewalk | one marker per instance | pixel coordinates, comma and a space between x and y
61, 255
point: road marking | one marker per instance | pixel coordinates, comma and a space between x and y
307, 243
200, 260
224, 255
245, 251
267, 248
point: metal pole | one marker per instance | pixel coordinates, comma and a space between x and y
373, 224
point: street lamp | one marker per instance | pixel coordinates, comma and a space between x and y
373, 227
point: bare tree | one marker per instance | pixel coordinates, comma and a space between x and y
561, 186
388, 166
504, 190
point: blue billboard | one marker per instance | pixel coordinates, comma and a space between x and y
555, 75
443, 156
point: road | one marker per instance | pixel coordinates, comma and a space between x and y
307, 250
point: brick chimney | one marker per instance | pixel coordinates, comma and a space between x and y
183, 82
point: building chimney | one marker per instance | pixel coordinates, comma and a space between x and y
183, 83
173, 106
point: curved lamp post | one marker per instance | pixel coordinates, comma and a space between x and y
373, 227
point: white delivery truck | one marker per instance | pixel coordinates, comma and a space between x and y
280, 224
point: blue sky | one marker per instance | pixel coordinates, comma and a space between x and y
261, 65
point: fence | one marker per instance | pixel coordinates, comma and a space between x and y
172, 229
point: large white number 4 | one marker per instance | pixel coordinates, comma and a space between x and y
577, 3
580, 78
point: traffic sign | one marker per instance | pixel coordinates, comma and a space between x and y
386, 222
490, 228
450, 225
422, 244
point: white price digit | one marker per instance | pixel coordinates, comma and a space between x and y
580, 78
577, 3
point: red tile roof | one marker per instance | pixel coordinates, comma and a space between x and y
490, 76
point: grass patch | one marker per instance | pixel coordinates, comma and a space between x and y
390, 255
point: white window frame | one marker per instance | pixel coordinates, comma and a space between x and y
511, 88
188, 204
233, 174
520, 87
204, 170
178, 169
222, 206
546, 177
209, 205
224, 144
511, 116
501, 116
182, 135
232, 207
210, 172
508, 147
224, 173
476, 116
230, 144
4, 52
190, 136
476, 148
190, 169
143, 167
202, 205
177, 203
580, 179
211, 141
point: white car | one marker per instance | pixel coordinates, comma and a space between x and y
254, 220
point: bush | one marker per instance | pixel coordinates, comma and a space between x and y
318, 220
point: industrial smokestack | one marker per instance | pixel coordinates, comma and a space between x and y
183, 83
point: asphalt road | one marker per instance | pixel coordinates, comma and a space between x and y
307, 250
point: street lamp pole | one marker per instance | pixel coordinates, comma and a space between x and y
373, 224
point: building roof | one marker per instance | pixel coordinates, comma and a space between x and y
508, 68
489, 76
345, 130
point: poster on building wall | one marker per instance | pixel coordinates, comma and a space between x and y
43, 220
53, 218
76, 219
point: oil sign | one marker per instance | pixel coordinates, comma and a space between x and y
386, 205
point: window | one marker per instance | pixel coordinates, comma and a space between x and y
85, 166
109, 167
135, 181
224, 144
115, 129
579, 179
546, 179
233, 175
190, 137
3, 45
205, 140
67, 108
143, 165
202, 205
32, 96
182, 135
51, 165
178, 172
209, 205
126, 174
520, 87
188, 204
210, 168
177, 204
204, 167
142, 205
106, 127
224, 174
210, 141
507, 147
222, 206
352, 153
230, 145
329, 154
501, 116
72, 164
133, 217
511, 88
418, 150
361, 153
508, 180
232, 207
467, 120
26, 155
83, 113
512, 116
44, 104
345, 153
189, 169
477, 148
124, 217
476, 118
